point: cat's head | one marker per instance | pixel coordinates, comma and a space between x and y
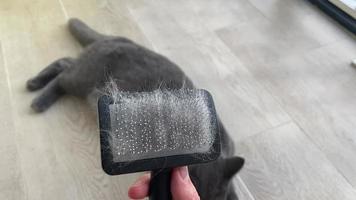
212, 180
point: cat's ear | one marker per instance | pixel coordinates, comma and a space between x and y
232, 166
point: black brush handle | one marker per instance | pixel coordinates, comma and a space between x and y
160, 184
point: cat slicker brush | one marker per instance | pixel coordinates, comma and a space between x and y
157, 131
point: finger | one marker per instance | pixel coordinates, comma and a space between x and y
139, 189
182, 187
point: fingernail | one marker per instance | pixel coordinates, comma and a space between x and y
183, 172
138, 183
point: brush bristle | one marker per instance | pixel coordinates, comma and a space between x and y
161, 123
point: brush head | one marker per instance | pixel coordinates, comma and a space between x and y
151, 130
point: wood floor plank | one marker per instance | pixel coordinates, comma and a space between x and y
241, 189
315, 87
290, 27
284, 164
215, 14
108, 16
26, 43
240, 101
262, 42
322, 101
11, 180
59, 149
283, 9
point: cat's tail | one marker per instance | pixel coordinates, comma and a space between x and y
83, 33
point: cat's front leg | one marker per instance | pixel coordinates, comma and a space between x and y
49, 73
51, 93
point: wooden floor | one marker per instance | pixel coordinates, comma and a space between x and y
278, 70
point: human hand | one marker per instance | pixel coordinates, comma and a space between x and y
182, 187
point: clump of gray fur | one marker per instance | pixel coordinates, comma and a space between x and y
111, 63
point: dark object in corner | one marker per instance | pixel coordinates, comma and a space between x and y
340, 16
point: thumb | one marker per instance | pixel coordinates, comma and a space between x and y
182, 187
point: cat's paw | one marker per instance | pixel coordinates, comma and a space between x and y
33, 85
37, 107
353, 63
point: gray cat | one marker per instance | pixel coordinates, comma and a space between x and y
129, 67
